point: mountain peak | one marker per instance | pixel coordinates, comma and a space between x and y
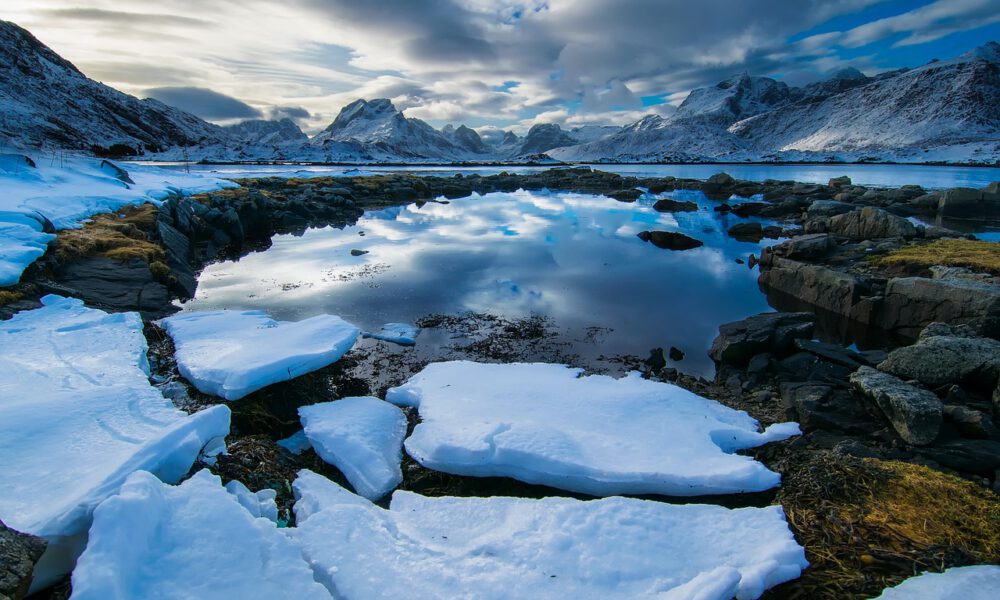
846, 74
990, 52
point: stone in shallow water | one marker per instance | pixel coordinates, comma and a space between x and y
77, 416
549, 548
547, 424
231, 353
669, 240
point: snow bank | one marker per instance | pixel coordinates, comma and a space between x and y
190, 541
980, 582
361, 436
297, 443
258, 504
548, 424
77, 416
550, 548
65, 191
403, 334
232, 353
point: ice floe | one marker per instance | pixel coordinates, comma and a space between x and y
403, 334
190, 541
550, 548
548, 424
980, 582
77, 416
231, 353
61, 192
361, 436
297, 443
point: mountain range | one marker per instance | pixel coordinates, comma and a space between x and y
944, 111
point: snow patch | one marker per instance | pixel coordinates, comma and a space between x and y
979, 582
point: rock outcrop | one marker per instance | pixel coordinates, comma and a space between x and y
740, 341
914, 413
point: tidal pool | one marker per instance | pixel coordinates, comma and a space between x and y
573, 259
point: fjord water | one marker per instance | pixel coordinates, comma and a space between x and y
574, 259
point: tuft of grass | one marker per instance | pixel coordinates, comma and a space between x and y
977, 255
867, 524
113, 235
7, 296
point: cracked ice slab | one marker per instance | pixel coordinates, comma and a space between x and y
77, 416
549, 548
194, 540
361, 436
231, 353
547, 424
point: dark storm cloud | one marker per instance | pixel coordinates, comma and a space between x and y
204, 103
295, 113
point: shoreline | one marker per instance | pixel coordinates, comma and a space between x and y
558, 164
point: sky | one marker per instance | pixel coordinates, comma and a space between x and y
489, 64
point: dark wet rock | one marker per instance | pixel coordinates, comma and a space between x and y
629, 195
832, 353
749, 209
18, 554
723, 208
115, 285
656, 360
356, 252
178, 253
719, 180
969, 202
966, 455
739, 341
669, 240
668, 205
971, 423
870, 223
824, 406
810, 246
676, 354
828, 208
940, 360
812, 284
747, 232
911, 303
839, 182
914, 413
115, 171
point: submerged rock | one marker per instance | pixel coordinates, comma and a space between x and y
668, 205
669, 240
914, 413
747, 232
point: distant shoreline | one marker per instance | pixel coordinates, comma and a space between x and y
558, 164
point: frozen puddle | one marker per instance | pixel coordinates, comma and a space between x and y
190, 541
547, 424
77, 416
363, 437
980, 582
550, 548
230, 353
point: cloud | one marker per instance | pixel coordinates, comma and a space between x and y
295, 113
127, 18
203, 102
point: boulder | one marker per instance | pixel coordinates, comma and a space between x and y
668, 205
814, 284
774, 333
721, 180
669, 240
747, 232
115, 285
18, 554
968, 456
838, 182
969, 202
870, 223
912, 303
942, 360
914, 413
822, 406
749, 209
832, 353
629, 195
813, 245
971, 423
828, 208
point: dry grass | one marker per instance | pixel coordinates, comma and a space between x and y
869, 524
6, 297
119, 236
973, 254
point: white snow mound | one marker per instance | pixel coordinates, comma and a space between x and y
980, 582
548, 424
230, 353
499, 547
361, 436
190, 541
77, 416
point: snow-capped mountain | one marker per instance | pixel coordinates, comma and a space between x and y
268, 133
466, 138
945, 110
48, 102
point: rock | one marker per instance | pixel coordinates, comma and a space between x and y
870, 223
941, 360
178, 250
739, 341
839, 182
356, 252
827, 208
821, 406
668, 205
749, 209
810, 246
630, 195
911, 303
969, 202
676, 354
816, 285
669, 240
944, 272
721, 180
968, 456
115, 171
18, 554
914, 413
747, 232
971, 423
116, 285
832, 353
656, 360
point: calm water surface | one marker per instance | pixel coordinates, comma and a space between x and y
572, 258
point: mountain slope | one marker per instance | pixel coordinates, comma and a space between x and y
273, 133
45, 101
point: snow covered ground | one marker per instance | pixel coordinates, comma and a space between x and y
547, 424
190, 541
549, 548
361, 436
980, 582
64, 191
232, 353
77, 416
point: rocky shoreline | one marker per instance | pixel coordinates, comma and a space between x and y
919, 388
